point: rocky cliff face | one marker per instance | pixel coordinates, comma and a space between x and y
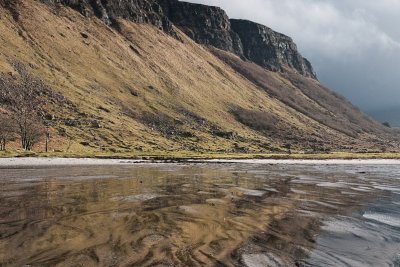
204, 24
140, 11
211, 26
270, 49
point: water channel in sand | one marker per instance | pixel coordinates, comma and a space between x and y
200, 214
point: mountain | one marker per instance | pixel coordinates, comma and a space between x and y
159, 75
389, 114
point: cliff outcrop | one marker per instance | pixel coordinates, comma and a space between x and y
206, 25
270, 49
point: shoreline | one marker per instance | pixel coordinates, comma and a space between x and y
189, 155
58, 161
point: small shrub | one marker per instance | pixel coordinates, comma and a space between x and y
162, 123
387, 124
134, 92
257, 120
104, 109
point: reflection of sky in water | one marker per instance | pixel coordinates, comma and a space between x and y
200, 214
369, 238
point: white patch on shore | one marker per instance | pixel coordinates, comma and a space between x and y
343, 227
323, 204
388, 188
298, 191
332, 185
382, 218
362, 189
251, 192
270, 189
136, 198
262, 260
189, 209
216, 201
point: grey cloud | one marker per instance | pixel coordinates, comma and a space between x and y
354, 45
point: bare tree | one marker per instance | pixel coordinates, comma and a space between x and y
29, 125
7, 130
23, 97
29, 128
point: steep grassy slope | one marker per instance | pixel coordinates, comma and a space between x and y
307, 96
139, 89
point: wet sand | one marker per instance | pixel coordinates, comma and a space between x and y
198, 214
21, 162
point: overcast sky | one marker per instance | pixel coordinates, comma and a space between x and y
354, 45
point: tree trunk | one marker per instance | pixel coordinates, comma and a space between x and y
47, 140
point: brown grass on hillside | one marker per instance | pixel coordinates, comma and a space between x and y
138, 89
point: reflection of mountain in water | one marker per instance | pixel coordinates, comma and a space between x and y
172, 215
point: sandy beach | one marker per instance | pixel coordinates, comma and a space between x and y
20, 162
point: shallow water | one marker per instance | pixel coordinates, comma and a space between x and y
200, 215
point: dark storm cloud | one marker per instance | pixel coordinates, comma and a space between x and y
354, 45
